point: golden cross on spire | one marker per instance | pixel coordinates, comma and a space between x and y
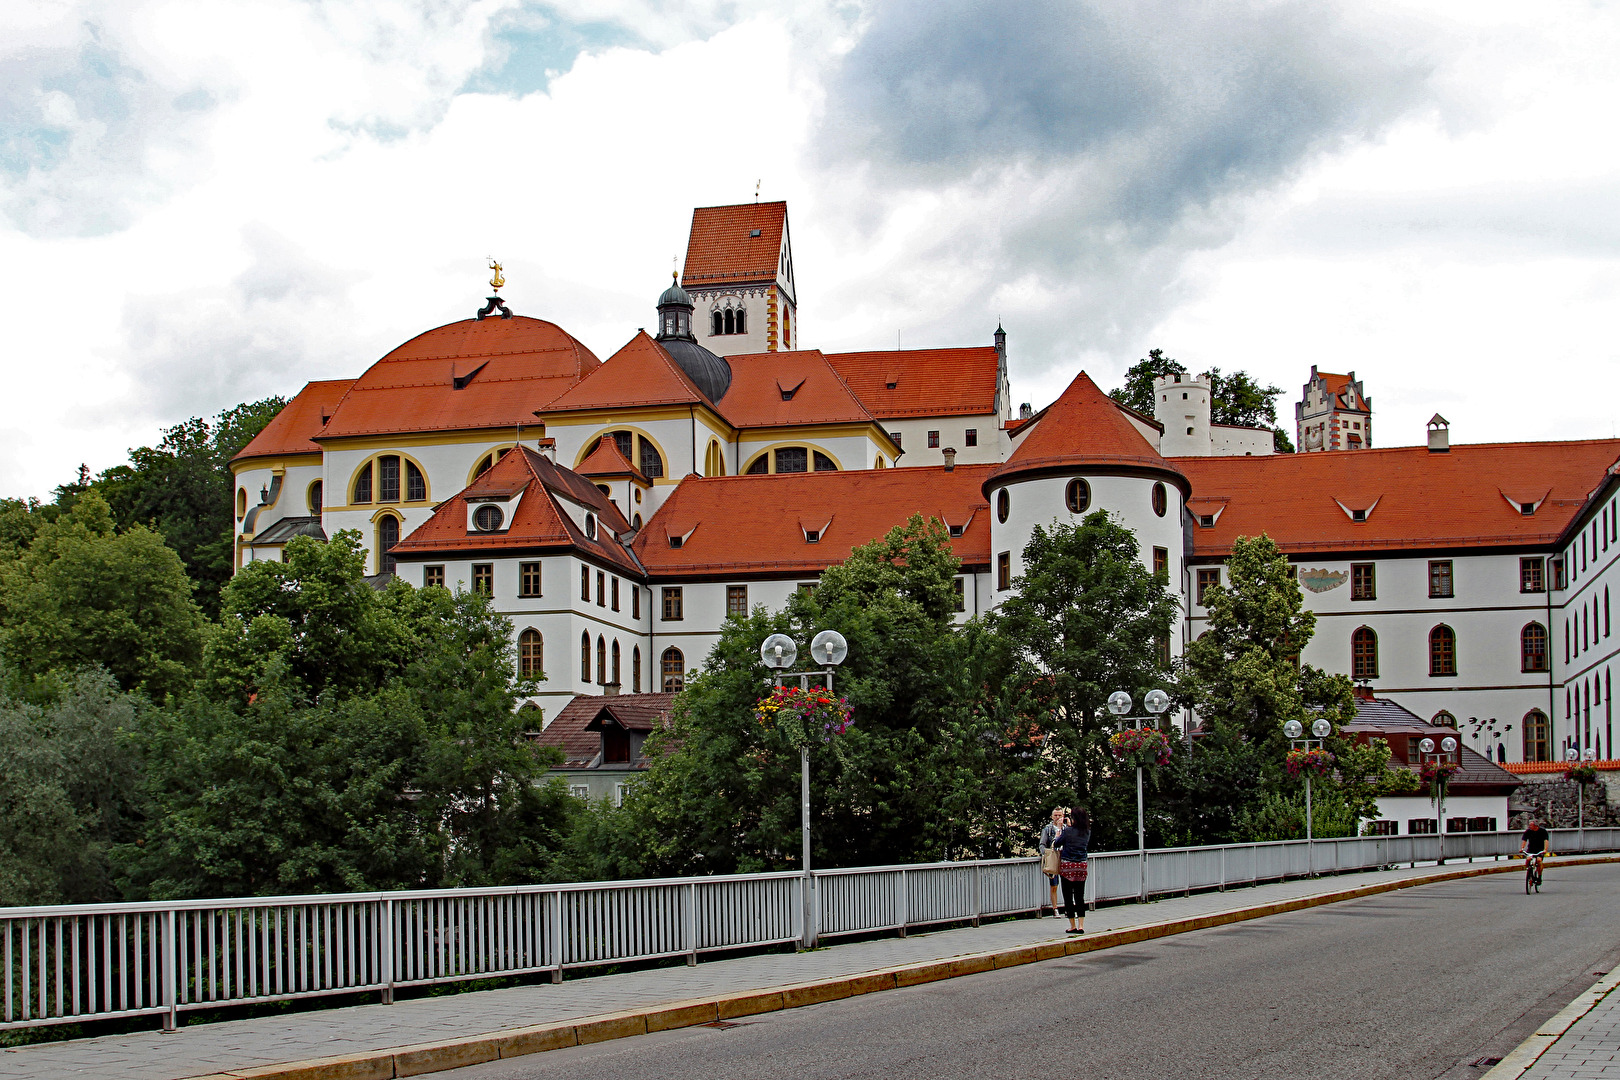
496, 280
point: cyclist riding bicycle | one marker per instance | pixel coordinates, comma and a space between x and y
1534, 845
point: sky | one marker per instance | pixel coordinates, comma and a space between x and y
204, 203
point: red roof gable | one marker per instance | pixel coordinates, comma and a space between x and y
605, 459
571, 728
755, 525
504, 368
291, 429
723, 249
1085, 428
537, 523
819, 394
641, 373
1415, 499
926, 382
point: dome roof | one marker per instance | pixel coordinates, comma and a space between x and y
711, 373
675, 295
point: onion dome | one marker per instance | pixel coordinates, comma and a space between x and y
710, 373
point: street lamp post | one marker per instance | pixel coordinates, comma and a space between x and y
1448, 746
1295, 731
1119, 703
779, 651
1571, 755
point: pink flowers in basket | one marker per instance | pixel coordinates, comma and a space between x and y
1308, 763
1138, 748
806, 717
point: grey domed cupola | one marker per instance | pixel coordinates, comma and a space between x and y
711, 373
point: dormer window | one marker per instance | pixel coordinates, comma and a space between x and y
1206, 520
676, 541
812, 536
489, 518
956, 531
1358, 515
753, 234
1527, 509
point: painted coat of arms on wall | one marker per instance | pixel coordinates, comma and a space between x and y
1322, 580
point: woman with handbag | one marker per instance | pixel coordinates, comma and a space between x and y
1071, 846
1049, 852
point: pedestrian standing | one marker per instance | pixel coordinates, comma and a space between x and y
1072, 843
1049, 856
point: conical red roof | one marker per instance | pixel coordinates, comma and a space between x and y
1085, 429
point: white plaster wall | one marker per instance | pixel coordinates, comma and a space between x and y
1585, 667
1404, 808
952, 432
1228, 441
847, 452
1183, 408
756, 300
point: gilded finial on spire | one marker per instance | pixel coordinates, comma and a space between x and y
756, 189
496, 280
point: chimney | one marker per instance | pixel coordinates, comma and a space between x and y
610, 689
950, 458
1025, 411
1439, 435
548, 449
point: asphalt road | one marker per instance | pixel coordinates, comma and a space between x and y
1416, 983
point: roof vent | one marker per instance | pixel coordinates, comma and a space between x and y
459, 382
891, 381
753, 232
789, 391
1440, 435
676, 541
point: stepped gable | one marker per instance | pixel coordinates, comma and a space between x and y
722, 251
640, 374
783, 389
476, 373
291, 430
575, 730
1411, 498
898, 384
538, 523
1086, 430
606, 460
742, 526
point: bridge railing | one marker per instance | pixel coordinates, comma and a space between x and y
74, 963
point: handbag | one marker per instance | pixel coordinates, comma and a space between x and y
1050, 857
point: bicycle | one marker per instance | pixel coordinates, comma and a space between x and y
1532, 872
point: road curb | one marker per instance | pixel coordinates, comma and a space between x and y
416, 1060
1527, 1053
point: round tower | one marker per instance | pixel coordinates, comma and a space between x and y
1182, 404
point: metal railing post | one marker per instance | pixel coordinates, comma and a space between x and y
171, 979
978, 894
691, 925
903, 904
557, 948
386, 945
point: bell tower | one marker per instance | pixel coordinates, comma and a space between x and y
739, 274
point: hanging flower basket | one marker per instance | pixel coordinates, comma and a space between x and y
1137, 748
1308, 763
1436, 775
807, 717
1582, 774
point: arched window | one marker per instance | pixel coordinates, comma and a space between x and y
742, 322
1442, 651
635, 670
1533, 647
1444, 719
388, 478
616, 662
787, 328
487, 462
1537, 736
387, 537
362, 485
315, 497
759, 465
1003, 505
652, 466
674, 669
1161, 501
601, 659
731, 321
1364, 653
531, 655
823, 463
791, 459
585, 657
241, 502
719, 323
415, 483
1077, 496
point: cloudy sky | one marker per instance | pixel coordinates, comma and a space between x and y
205, 202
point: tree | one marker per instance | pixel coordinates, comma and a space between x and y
1086, 618
1138, 391
1233, 399
183, 488
83, 595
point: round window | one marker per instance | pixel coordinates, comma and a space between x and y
1078, 496
1160, 502
1003, 505
488, 518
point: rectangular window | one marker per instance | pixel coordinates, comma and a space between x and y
388, 478
579, 791
959, 588
895, 435
1531, 576
737, 600
933, 440
674, 607
1440, 578
584, 583
1004, 571
1363, 585
971, 437
1419, 825
1206, 580
615, 594
1381, 828
484, 578
1560, 574
433, 575
635, 602
601, 589
792, 459
1161, 562
529, 579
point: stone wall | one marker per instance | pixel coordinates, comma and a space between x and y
1552, 801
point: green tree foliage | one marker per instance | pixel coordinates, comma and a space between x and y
930, 770
81, 594
1281, 816
1086, 618
1138, 392
183, 489
399, 762
1233, 399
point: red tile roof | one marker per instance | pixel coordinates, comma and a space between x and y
291, 429
820, 395
537, 524
580, 744
508, 368
641, 373
720, 249
1424, 500
927, 382
1085, 429
605, 459
739, 526
1383, 718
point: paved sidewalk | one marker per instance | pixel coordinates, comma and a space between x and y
240, 1044
1589, 1049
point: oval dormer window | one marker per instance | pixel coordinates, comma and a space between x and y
590, 526
1077, 496
1003, 505
488, 518
1161, 501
